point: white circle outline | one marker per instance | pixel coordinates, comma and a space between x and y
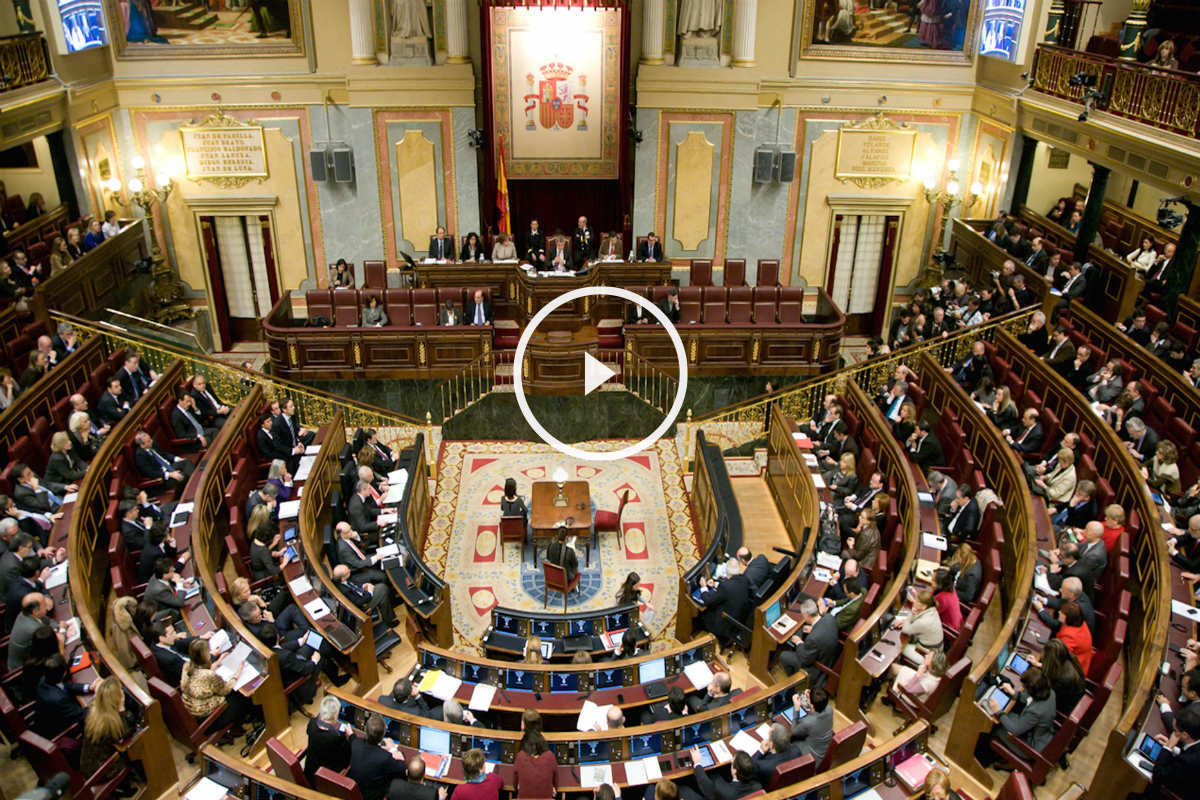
592, 455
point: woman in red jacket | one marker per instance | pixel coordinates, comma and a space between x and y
535, 763
1075, 634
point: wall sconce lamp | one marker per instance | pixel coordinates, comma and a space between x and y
947, 197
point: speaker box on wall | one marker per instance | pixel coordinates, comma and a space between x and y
318, 165
764, 164
343, 164
787, 166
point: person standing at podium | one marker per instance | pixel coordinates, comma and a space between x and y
650, 250
441, 246
584, 241
534, 250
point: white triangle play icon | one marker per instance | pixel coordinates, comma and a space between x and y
594, 373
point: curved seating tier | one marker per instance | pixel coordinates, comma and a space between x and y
511, 629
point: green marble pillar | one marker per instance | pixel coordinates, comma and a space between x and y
1054, 22
1131, 31
1024, 173
1090, 223
1179, 275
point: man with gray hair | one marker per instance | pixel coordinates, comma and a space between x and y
774, 750
893, 400
1143, 440
367, 596
355, 554
1070, 592
817, 643
328, 739
79, 405
452, 711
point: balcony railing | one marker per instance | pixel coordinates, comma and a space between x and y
1163, 98
23, 60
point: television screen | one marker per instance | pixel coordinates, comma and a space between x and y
493, 749
432, 661
474, 673
506, 623
593, 751
856, 782
616, 622
608, 678
519, 679
82, 24
642, 746
655, 670
697, 733
542, 627
582, 627
742, 718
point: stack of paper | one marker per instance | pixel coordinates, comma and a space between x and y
593, 775
699, 673
181, 513
818, 481
635, 773
305, 467
289, 509
1042, 584
219, 642
435, 765
398, 477
429, 680
312, 449
653, 770
592, 717
58, 576
69, 497
231, 666
744, 742
721, 752
829, 561
206, 789
70, 630
300, 586
810, 460
388, 551
387, 519
316, 608
1185, 610
481, 697
445, 687
395, 494
936, 541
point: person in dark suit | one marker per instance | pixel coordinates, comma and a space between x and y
670, 305
479, 310
650, 250
776, 749
560, 553
818, 644
533, 244
1178, 766
813, 732
262, 557
211, 409
170, 651
135, 378
744, 782
29, 493
185, 422
414, 786
1018, 247
964, 517
1061, 354
405, 697
263, 440
559, 257
328, 740
289, 435
1070, 591
731, 596
1038, 257
55, 708
1142, 442
756, 569
1027, 436
450, 315
441, 246
1036, 337
924, 448
716, 695
372, 766
472, 249
971, 369
161, 587
172, 471
363, 512
135, 528
64, 468
112, 407
583, 241
25, 627
353, 552
366, 595
675, 707
1093, 555
1080, 509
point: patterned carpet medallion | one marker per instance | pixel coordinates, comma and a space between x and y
463, 533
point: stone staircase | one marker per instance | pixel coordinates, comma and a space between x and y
880, 26
184, 16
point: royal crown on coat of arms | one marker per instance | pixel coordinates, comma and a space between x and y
553, 99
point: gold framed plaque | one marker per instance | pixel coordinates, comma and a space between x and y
224, 150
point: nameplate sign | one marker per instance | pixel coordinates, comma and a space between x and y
880, 154
227, 149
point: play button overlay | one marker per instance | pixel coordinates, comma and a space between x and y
596, 374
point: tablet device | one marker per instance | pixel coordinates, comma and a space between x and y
1149, 747
706, 756
1001, 697
290, 553
314, 640
1018, 663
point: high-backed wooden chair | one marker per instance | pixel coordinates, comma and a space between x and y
767, 273
608, 521
512, 529
285, 763
847, 743
735, 272
700, 273
792, 772
331, 783
556, 581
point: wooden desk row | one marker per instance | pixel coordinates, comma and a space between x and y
979, 258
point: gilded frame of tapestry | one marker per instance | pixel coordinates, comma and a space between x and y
852, 52
291, 46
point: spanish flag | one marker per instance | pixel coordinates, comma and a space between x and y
504, 223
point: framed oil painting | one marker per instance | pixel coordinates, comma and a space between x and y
147, 29
918, 31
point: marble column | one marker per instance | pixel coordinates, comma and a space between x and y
1053, 22
1181, 273
362, 32
456, 32
1024, 173
745, 14
1090, 223
652, 31
1131, 31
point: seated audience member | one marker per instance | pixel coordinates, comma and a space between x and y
1178, 766
1033, 724
963, 518
373, 765
504, 249
353, 553
1062, 351
1162, 473
366, 595
1185, 549
450, 315
1141, 440
204, 691
813, 733
650, 249
60, 256
922, 625
186, 425
1059, 213
342, 276
170, 649
1079, 370
9, 388
211, 410
1064, 672
74, 243
1085, 562
512, 504
112, 407
56, 707
373, 315
744, 782
816, 643
1003, 413
937, 787
30, 494
290, 437
33, 607
414, 787
1144, 256
478, 785
863, 544
1105, 384
924, 448
478, 310
967, 571
63, 469
1017, 247
843, 479
94, 235
84, 436
172, 471
472, 249
111, 227
560, 552
406, 697
328, 740
161, 586
776, 748
1026, 437
108, 723
1075, 634
848, 608
1036, 337
973, 368
985, 393
756, 569
267, 550
1057, 485
363, 512
1079, 510
39, 365
730, 596
921, 682
949, 607
853, 505
1114, 526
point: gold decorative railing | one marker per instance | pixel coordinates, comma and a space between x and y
232, 383
653, 386
746, 421
23, 60
468, 387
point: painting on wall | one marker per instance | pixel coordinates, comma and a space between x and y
932, 31
206, 28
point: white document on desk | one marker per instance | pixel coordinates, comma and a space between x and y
699, 673
720, 752
395, 494
445, 687
398, 477
230, 667
206, 789
247, 676
388, 551
300, 586
305, 467
289, 509
58, 575
1042, 584
818, 481
829, 561
635, 773
810, 460
935, 541
593, 775
481, 698
387, 519
591, 716
69, 497
744, 742
653, 770
312, 449
219, 642
1185, 610
316, 608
